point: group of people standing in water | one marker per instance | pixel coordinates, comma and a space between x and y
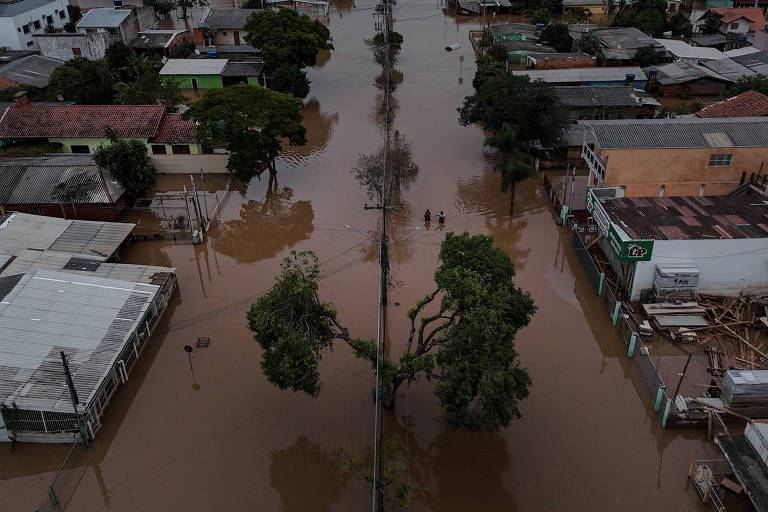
440, 216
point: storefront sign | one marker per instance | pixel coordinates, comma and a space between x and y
632, 250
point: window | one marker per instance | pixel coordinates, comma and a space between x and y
62, 14
180, 149
37, 25
734, 26
720, 160
701, 190
49, 20
75, 51
30, 43
113, 31
91, 30
158, 149
661, 191
81, 149
25, 28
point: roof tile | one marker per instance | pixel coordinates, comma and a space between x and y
174, 129
747, 104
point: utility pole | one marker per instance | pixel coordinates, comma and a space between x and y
73, 396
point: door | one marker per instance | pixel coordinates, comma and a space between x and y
237, 37
194, 84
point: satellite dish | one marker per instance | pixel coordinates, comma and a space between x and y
60, 97
197, 52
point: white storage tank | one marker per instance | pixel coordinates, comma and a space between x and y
675, 279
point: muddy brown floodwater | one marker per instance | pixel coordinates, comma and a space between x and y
587, 439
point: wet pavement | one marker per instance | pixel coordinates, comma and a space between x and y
588, 439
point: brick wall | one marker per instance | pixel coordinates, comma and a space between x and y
587, 61
5, 83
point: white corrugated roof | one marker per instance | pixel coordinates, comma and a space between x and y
741, 51
105, 17
608, 74
683, 50
194, 66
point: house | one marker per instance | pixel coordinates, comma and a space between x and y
99, 314
741, 20
599, 77
746, 104
61, 186
163, 42
519, 50
561, 60
96, 31
621, 43
198, 74
223, 26
20, 20
757, 61
606, 102
710, 41
593, 7
681, 50
674, 157
722, 242
683, 79
31, 70
80, 128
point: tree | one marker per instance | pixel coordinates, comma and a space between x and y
184, 5
116, 58
648, 56
579, 15
488, 66
401, 170
649, 16
162, 8
757, 83
680, 25
127, 160
183, 50
530, 106
74, 13
712, 23
516, 163
287, 38
589, 43
466, 345
50, 29
541, 16
376, 45
253, 121
82, 81
558, 36
149, 88
290, 80
498, 53
253, 4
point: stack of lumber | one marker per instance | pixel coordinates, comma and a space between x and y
668, 316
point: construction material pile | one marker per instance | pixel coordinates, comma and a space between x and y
745, 388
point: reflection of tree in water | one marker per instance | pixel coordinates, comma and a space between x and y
481, 194
322, 58
320, 129
401, 249
378, 116
265, 228
306, 477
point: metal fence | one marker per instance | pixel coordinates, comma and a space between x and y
64, 483
627, 331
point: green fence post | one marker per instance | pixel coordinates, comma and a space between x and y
600, 287
631, 349
563, 214
659, 396
666, 413
616, 310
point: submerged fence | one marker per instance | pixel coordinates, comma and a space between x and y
627, 330
65, 481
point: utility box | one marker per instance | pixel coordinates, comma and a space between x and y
675, 282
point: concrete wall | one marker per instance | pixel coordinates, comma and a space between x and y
681, 171
92, 46
227, 36
743, 27
728, 267
203, 81
12, 35
760, 40
185, 164
93, 144
587, 61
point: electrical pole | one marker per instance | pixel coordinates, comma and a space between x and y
73, 396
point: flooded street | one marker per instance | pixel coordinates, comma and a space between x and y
228, 439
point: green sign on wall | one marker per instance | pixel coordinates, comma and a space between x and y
632, 250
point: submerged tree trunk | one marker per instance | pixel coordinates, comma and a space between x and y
512, 187
272, 175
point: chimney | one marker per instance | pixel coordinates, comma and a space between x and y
21, 99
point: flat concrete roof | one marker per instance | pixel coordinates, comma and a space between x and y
194, 67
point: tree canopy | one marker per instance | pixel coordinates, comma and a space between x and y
757, 83
680, 25
149, 88
712, 22
462, 334
516, 163
82, 81
253, 122
287, 38
127, 160
290, 80
401, 170
649, 16
558, 36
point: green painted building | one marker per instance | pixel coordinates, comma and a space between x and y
196, 74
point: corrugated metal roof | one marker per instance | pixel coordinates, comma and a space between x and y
32, 70
748, 132
583, 74
103, 17
226, 18
625, 38
683, 50
745, 50
194, 67
727, 68
584, 96
243, 69
94, 238
11, 9
689, 218
680, 72
89, 318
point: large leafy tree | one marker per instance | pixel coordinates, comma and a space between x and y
506, 98
462, 334
253, 122
287, 38
127, 160
149, 88
401, 170
649, 16
290, 80
757, 83
712, 23
185, 5
558, 36
81, 80
515, 164
680, 25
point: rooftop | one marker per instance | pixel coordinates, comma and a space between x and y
756, 61
625, 38
76, 121
609, 74
577, 96
21, 231
746, 104
683, 50
559, 55
11, 9
680, 132
54, 180
226, 18
528, 44
89, 318
104, 17
506, 29
753, 14
680, 72
689, 218
727, 68
194, 67
710, 39
243, 69
744, 50
173, 129
155, 38
32, 70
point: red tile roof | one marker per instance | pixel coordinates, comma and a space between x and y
753, 14
76, 121
174, 129
746, 104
